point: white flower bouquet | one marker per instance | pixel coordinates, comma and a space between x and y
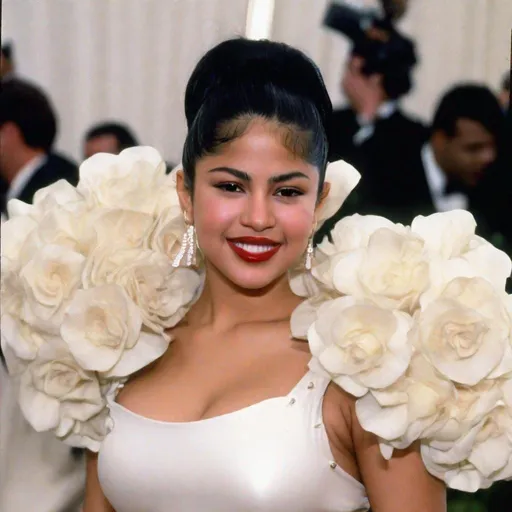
415, 323
88, 289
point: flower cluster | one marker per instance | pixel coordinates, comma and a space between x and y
415, 323
88, 289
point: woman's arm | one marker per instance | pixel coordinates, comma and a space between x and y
400, 484
95, 501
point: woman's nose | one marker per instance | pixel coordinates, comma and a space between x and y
258, 213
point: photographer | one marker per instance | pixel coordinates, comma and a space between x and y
378, 74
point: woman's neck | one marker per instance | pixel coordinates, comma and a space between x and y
223, 305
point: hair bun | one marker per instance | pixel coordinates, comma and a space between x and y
244, 64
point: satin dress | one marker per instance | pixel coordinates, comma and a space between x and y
273, 456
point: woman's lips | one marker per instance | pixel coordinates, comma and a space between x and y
254, 249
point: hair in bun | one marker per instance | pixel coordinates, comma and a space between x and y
240, 79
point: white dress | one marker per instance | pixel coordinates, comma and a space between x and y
273, 456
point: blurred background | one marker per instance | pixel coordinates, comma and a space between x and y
129, 60
421, 87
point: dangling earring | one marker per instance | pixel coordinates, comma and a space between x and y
188, 247
308, 263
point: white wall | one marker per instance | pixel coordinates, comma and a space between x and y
130, 59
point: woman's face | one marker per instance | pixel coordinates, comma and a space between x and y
253, 207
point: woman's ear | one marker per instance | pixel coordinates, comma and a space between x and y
184, 196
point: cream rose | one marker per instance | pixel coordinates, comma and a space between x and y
127, 181
391, 272
402, 413
479, 458
49, 280
342, 178
465, 333
102, 329
161, 292
55, 390
168, 232
360, 346
124, 229
87, 434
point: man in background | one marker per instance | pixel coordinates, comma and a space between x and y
7, 66
38, 473
504, 94
108, 138
444, 173
28, 128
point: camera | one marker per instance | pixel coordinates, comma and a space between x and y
374, 38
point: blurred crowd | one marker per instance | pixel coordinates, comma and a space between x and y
460, 159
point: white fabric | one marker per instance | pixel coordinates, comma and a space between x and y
273, 456
436, 180
126, 60
24, 175
38, 473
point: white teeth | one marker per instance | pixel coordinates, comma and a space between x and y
254, 248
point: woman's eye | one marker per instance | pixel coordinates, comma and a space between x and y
229, 187
289, 192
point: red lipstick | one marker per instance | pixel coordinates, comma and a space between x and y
254, 249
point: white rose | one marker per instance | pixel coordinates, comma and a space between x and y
481, 457
62, 227
306, 313
168, 232
22, 339
102, 329
360, 346
49, 280
446, 234
55, 390
401, 413
465, 333
343, 178
123, 228
127, 181
348, 235
61, 193
88, 434
14, 234
162, 292
391, 272
167, 195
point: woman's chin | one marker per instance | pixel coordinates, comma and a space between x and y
255, 279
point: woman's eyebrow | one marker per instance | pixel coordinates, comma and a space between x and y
279, 178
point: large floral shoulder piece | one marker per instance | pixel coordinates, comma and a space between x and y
88, 289
415, 323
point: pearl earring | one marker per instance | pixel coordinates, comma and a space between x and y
188, 247
308, 263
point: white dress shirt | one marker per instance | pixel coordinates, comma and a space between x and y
24, 175
436, 180
367, 128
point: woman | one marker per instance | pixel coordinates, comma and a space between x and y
230, 418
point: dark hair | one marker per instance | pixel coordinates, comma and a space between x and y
26, 106
123, 134
469, 101
240, 78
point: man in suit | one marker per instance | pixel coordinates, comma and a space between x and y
28, 127
37, 472
443, 173
108, 138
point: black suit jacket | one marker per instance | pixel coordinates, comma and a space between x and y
393, 182
54, 168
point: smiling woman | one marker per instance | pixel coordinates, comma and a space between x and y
238, 413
